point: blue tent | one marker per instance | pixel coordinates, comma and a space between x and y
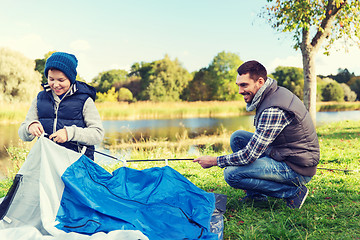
62, 194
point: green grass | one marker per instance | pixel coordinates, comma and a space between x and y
332, 210
337, 106
16, 112
161, 110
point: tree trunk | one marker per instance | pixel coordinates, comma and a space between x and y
309, 81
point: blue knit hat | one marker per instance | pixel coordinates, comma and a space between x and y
64, 62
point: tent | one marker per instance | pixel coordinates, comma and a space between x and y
61, 194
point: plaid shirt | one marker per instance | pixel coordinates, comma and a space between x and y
271, 122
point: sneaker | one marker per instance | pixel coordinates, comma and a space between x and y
298, 199
255, 198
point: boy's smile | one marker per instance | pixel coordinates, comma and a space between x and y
58, 81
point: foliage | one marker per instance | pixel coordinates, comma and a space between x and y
317, 17
312, 23
125, 94
161, 80
19, 82
110, 96
223, 68
217, 81
333, 92
349, 96
343, 76
291, 78
106, 80
133, 84
17, 158
199, 88
40, 65
354, 84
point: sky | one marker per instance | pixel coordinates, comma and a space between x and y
114, 34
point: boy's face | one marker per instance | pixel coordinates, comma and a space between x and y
58, 81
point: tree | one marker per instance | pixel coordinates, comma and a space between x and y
349, 96
291, 78
312, 24
217, 81
354, 84
19, 82
333, 92
125, 94
40, 65
343, 76
108, 79
198, 88
161, 80
223, 69
110, 96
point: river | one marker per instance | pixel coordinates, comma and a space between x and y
164, 128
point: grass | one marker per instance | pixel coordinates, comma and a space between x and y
337, 106
332, 210
162, 110
13, 112
16, 112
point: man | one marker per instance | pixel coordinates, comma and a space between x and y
282, 155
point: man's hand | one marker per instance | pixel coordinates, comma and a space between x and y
36, 129
59, 136
206, 161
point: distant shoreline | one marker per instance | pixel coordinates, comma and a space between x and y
15, 113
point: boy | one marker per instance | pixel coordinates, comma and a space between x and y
65, 109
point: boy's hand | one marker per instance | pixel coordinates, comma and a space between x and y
36, 129
59, 136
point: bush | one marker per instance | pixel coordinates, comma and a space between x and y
349, 96
19, 82
333, 92
109, 96
125, 94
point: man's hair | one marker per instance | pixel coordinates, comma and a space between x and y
254, 68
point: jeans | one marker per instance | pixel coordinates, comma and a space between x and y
265, 176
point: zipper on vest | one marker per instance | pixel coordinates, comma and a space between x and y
56, 107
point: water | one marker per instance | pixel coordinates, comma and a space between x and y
168, 128
165, 129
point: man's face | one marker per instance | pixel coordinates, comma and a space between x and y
248, 87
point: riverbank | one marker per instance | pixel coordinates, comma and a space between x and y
331, 209
16, 112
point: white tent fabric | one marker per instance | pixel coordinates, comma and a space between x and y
33, 210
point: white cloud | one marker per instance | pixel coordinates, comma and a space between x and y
80, 45
31, 45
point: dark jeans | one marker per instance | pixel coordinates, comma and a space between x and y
265, 176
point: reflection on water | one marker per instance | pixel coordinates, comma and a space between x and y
166, 128
170, 128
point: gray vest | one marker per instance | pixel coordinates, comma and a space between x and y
297, 145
